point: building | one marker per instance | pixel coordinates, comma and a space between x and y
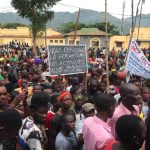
143, 36
118, 42
91, 37
23, 34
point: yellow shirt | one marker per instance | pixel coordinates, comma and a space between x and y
141, 115
30, 92
1, 59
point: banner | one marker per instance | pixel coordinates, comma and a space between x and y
137, 63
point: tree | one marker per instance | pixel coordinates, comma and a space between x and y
12, 25
37, 11
70, 26
112, 29
1, 25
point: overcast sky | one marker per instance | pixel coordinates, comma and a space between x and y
114, 6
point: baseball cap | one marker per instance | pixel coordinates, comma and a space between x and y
87, 107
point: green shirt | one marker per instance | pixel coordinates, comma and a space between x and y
13, 59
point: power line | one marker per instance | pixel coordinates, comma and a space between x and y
122, 20
4, 10
71, 6
112, 13
5, 7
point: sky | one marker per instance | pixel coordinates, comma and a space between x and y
114, 6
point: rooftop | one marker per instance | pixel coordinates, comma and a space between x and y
87, 31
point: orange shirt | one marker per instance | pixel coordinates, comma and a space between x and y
29, 90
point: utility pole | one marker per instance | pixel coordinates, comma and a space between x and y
134, 20
45, 36
77, 24
106, 46
132, 14
143, 1
122, 21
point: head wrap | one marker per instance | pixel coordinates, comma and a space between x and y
62, 95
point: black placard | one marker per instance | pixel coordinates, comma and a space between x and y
67, 59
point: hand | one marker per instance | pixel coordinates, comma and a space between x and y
80, 137
24, 95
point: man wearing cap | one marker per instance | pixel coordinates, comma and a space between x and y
88, 110
96, 132
65, 99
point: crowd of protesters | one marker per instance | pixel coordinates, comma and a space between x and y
71, 112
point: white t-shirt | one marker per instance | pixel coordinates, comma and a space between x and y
30, 135
79, 124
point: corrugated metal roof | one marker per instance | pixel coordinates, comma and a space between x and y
56, 36
87, 31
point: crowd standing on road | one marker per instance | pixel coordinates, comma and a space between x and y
70, 112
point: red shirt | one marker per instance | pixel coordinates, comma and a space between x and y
49, 117
109, 145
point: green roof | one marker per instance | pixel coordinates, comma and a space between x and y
87, 31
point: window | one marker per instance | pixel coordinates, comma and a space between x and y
61, 41
51, 41
139, 43
56, 41
71, 42
95, 43
118, 44
77, 42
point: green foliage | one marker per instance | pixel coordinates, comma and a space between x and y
12, 25
37, 11
1, 25
68, 27
112, 29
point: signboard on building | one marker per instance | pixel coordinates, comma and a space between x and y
67, 59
